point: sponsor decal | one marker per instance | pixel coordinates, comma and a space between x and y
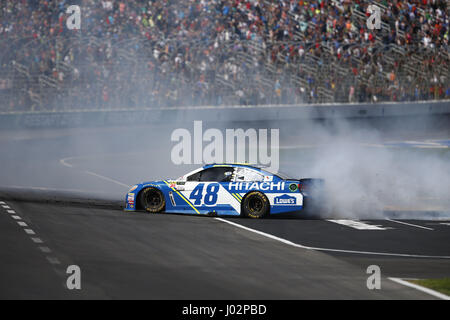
130, 199
268, 178
178, 185
264, 186
285, 200
293, 187
132, 188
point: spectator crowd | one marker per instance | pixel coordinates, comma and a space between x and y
167, 53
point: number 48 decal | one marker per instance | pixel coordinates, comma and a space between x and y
210, 196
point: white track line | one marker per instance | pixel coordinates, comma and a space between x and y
107, 179
66, 164
53, 260
410, 224
45, 189
356, 224
420, 288
65, 161
45, 249
267, 235
51, 189
29, 231
6, 207
264, 234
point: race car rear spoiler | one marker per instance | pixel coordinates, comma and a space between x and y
310, 186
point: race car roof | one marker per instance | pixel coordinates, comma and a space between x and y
246, 165
231, 165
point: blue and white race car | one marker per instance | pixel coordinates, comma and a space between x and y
224, 190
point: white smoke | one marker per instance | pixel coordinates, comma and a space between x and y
364, 178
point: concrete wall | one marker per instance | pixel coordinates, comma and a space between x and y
219, 114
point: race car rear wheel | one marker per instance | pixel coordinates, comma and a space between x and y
152, 200
255, 205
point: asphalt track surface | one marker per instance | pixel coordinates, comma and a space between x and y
60, 205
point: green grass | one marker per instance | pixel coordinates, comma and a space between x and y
439, 285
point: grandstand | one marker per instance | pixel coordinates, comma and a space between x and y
144, 54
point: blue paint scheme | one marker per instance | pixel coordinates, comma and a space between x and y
287, 200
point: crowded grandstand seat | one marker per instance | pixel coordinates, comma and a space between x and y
142, 54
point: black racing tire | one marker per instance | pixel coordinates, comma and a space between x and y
152, 200
255, 205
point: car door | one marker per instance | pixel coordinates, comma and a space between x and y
206, 190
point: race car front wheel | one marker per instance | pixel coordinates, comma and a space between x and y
152, 200
255, 205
